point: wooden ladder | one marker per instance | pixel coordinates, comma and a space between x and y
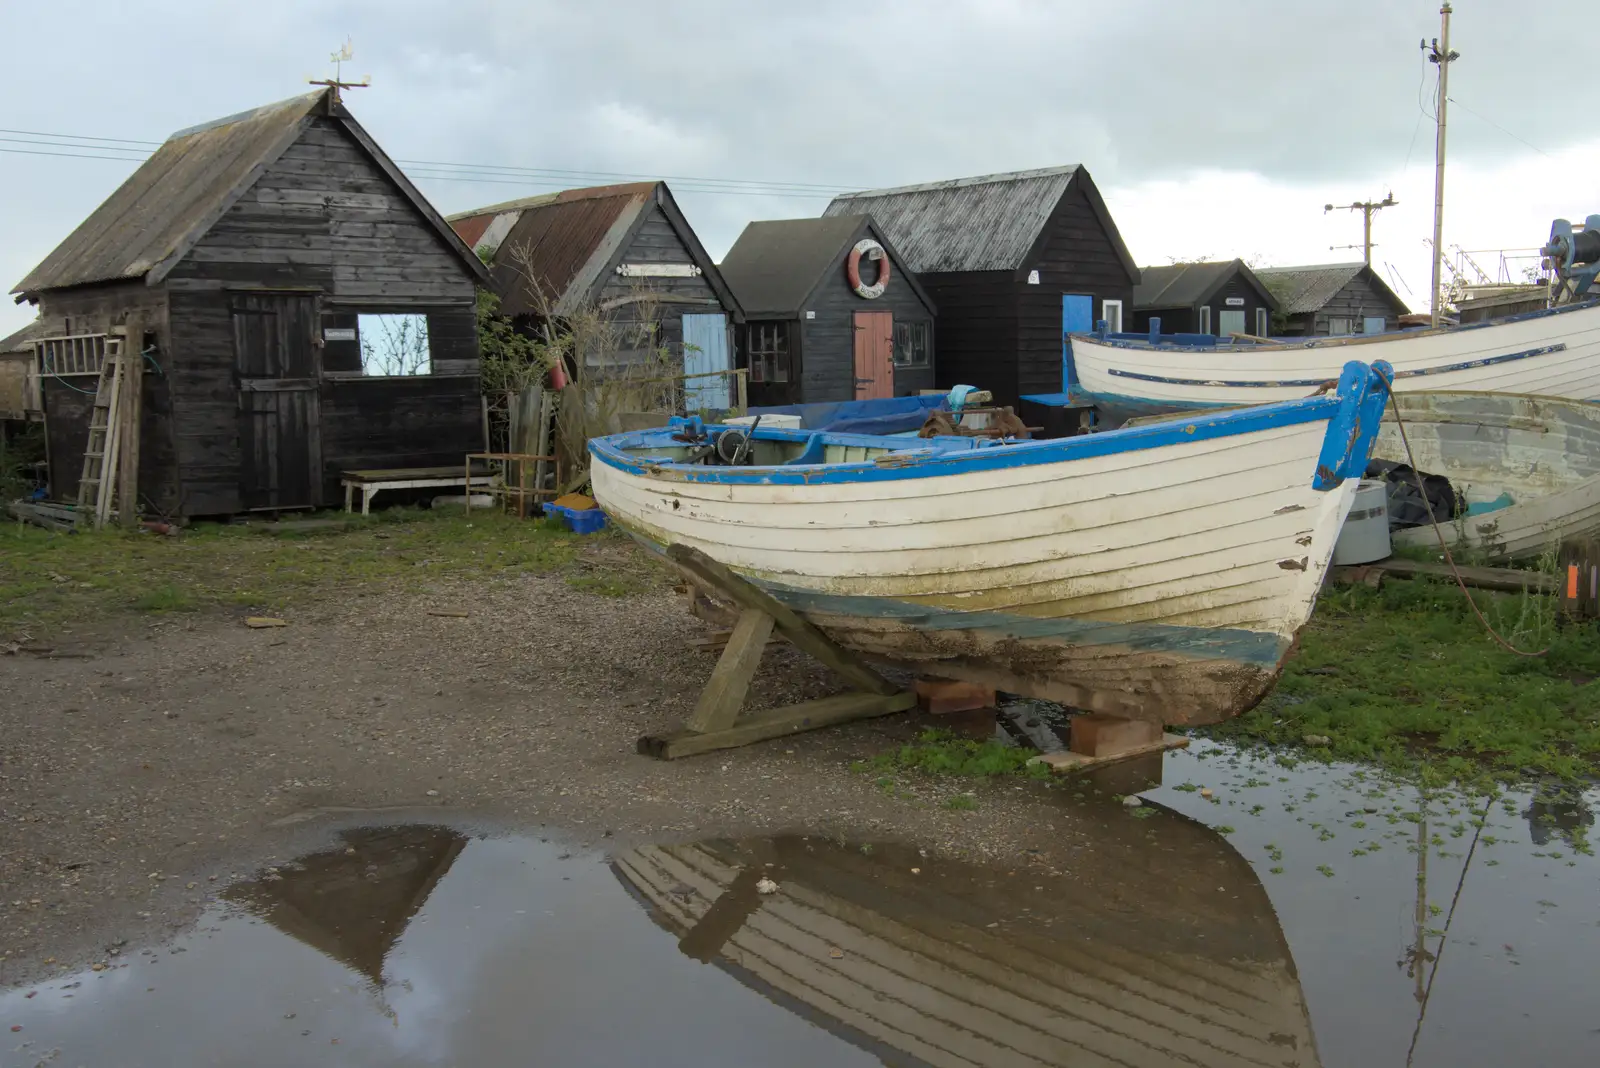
98, 484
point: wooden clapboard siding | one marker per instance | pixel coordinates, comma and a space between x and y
829, 339
1076, 256
99, 309
415, 421
667, 300
1121, 965
978, 331
325, 215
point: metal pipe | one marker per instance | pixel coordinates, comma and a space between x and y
1441, 55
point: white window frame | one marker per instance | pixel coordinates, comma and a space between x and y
1205, 319
1113, 325
1263, 322
1333, 325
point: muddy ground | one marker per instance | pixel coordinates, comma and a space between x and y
186, 748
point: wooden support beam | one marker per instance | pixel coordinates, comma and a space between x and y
778, 722
801, 634
716, 723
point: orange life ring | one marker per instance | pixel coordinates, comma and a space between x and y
853, 268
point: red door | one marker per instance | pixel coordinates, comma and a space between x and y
874, 355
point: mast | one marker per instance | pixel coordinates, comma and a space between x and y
1440, 53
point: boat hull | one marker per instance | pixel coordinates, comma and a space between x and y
1553, 353
1543, 452
1164, 583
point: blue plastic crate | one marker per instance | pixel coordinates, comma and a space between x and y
586, 521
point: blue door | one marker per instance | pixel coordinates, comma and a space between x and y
1077, 317
705, 349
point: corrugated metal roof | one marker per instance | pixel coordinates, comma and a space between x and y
21, 340
1308, 288
987, 223
553, 246
165, 205
775, 265
1183, 285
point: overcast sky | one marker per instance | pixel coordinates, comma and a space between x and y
1215, 128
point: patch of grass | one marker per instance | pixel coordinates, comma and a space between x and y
47, 578
168, 598
1406, 677
604, 585
939, 752
961, 803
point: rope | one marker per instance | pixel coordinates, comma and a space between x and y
1416, 474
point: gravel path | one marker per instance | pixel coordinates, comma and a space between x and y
134, 782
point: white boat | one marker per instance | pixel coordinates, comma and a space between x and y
1553, 353
1134, 958
1528, 468
1158, 573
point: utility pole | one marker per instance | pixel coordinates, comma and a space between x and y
1440, 53
1366, 208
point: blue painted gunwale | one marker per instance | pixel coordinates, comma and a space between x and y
1142, 341
1308, 383
1342, 410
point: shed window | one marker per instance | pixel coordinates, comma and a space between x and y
1261, 322
913, 344
394, 345
767, 345
1339, 324
1205, 319
1111, 312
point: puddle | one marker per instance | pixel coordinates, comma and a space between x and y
1502, 972
1151, 938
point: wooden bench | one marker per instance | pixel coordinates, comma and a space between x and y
371, 483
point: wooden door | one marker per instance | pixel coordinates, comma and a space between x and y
705, 350
1077, 317
874, 363
280, 433
1230, 321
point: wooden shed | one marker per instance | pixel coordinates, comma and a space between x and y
831, 312
1221, 298
19, 382
625, 250
301, 307
1014, 262
1326, 299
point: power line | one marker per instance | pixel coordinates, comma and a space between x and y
1497, 126
80, 147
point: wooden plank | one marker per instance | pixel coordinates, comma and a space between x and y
724, 694
801, 634
778, 722
1069, 761
1504, 579
132, 419
1579, 578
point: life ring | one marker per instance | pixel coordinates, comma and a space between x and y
853, 268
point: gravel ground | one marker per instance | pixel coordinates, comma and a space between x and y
135, 781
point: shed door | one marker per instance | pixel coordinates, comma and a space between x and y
280, 435
874, 333
1230, 322
705, 349
1077, 317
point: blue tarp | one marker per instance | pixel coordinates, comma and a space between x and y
888, 415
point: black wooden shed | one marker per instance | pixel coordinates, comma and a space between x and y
1324, 299
1221, 298
1014, 262
832, 313
303, 309
624, 250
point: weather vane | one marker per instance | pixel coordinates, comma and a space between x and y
345, 54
